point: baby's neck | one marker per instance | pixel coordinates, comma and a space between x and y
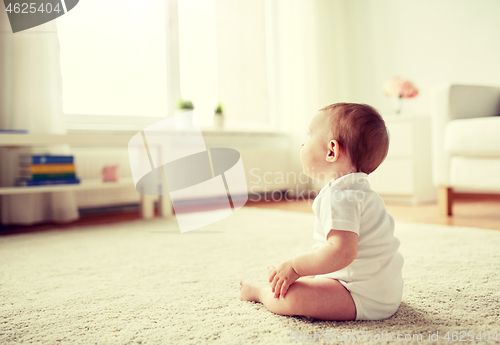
336, 174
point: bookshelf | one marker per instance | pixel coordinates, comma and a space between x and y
82, 140
83, 185
107, 140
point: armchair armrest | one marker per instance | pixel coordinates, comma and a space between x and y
451, 102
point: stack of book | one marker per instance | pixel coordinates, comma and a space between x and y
40, 170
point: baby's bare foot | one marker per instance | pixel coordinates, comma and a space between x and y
249, 291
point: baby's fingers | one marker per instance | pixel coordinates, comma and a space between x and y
273, 283
272, 274
277, 290
284, 289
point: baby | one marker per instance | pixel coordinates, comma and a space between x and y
355, 270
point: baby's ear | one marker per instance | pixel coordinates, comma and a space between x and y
333, 149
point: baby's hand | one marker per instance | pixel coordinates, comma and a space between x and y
282, 277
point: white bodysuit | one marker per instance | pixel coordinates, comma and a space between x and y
374, 278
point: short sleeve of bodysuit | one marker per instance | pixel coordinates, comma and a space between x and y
340, 210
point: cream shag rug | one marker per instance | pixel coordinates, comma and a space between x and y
146, 283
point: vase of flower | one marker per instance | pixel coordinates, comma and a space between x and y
398, 89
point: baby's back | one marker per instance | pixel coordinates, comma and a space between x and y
374, 278
377, 245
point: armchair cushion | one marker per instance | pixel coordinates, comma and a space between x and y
453, 102
475, 174
474, 137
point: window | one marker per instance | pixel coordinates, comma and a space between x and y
223, 59
198, 57
114, 59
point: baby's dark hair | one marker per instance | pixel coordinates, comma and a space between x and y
360, 130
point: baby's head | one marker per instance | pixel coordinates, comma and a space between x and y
345, 138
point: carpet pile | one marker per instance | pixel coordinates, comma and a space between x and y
144, 282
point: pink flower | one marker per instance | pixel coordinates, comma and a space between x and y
400, 87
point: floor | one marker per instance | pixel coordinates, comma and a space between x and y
470, 210
152, 285
481, 211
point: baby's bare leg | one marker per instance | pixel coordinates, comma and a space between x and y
320, 298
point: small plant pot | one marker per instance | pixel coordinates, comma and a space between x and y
218, 120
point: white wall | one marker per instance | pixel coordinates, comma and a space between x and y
427, 41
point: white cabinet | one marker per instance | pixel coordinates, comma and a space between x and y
406, 175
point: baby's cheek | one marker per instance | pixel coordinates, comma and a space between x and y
303, 155
305, 162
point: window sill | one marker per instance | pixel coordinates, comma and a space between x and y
78, 124
206, 131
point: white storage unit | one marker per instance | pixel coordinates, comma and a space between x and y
406, 174
89, 140
265, 155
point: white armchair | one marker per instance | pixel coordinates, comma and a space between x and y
465, 141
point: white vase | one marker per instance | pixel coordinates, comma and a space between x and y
218, 120
397, 104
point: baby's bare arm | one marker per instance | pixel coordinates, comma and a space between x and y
340, 251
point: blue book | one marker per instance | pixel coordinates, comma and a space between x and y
45, 159
46, 182
14, 131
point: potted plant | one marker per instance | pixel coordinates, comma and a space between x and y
185, 105
219, 116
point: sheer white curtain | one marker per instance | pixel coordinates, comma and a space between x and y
31, 98
305, 58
